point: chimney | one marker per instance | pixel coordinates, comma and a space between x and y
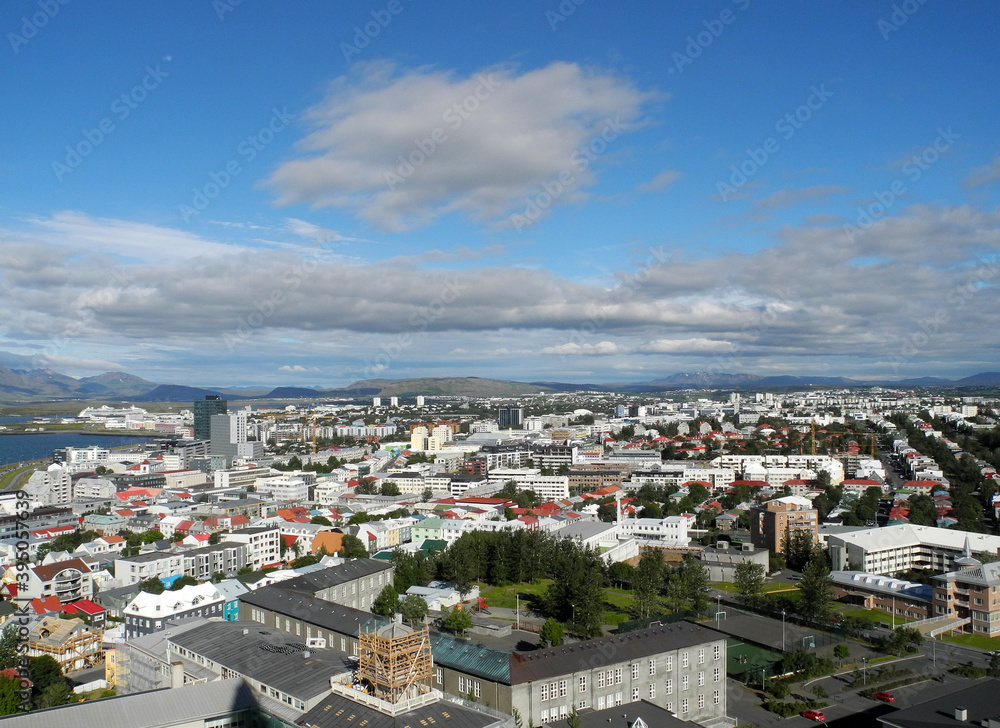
961, 714
306, 654
246, 631
176, 674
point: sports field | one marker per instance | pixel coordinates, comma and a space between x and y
742, 657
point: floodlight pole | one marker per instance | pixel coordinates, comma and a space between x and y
782, 630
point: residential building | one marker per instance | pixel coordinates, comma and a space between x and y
229, 437
147, 613
775, 520
549, 487
904, 599
902, 547
263, 542
67, 580
972, 593
510, 417
50, 487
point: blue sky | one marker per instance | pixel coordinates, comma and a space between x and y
315, 193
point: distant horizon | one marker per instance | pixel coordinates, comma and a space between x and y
561, 190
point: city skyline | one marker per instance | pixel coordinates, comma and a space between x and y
234, 194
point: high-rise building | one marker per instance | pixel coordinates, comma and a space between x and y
229, 437
204, 409
376, 401
510, 417
420, 400
775, 520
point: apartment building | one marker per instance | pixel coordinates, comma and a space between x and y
263, 545
905, 599
901, 547
971, 593
773, 520
549, 487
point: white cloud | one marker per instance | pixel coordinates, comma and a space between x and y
402, 148
602, 348
661, 181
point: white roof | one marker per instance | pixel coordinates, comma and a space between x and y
907, 534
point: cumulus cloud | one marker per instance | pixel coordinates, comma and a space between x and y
401, 148
985, 176
601, 348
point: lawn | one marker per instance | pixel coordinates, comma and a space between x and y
974, 640
616, 601
730, 587
876, 616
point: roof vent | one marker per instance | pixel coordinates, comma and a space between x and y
961, 714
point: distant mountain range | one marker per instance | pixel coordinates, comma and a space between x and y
37, 385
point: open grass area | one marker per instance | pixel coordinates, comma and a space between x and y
875, 616
974, 640
616, 601
729, 587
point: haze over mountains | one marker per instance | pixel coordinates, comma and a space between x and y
33, 385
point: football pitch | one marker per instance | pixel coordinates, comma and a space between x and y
742, 657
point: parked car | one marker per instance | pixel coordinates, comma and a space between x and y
886, 697
813, 715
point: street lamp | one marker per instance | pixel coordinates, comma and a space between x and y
864, 670
782, 630
574, 614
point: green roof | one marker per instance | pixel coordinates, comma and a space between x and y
469, 657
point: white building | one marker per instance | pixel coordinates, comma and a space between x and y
669, 531
50, 487
264, 545
286, 487
549, 487
902, 547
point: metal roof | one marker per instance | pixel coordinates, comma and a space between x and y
337, 711
155, 709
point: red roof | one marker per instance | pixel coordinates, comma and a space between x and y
86, 606
47, 605
289, 540
114, 538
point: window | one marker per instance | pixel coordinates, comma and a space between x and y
475, 688
600, 679
618, 676
684, 682
652, 691
635, 694
600, 703
717, 652
439, 676
701, 678
545, 715
669, 663
716, 698
684, 659
582, 687
684, 705
701, 701
618, 699
701, 656
635, 670
669, 685
670, 707
652, 667
716, 675
544, 695
562, 688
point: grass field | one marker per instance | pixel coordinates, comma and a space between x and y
974, 640
728, 586
616, 601
741, 657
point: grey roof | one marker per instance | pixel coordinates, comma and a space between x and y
609, 650
462, 655
585, 529
148, 556
335, 575
155, 709
333, 712
652, 715
980, 699
275, 658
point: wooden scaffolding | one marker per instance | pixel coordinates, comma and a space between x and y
395, 660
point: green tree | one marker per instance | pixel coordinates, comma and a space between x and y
749, 580
8, 647
321, 521
457, 621
797, 546
994, 667
305, 560
647, 583
841, 651
815, 588
44, 671
55, 694
903, 640
351, 547
151, 585
10, 695
151, 536
695, 583
413, 608
573, 720
183, 582
551, 633
390, 488
387, 602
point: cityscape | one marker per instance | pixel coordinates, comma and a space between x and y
499, 365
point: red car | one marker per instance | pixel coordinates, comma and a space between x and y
887, 697
813, 715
